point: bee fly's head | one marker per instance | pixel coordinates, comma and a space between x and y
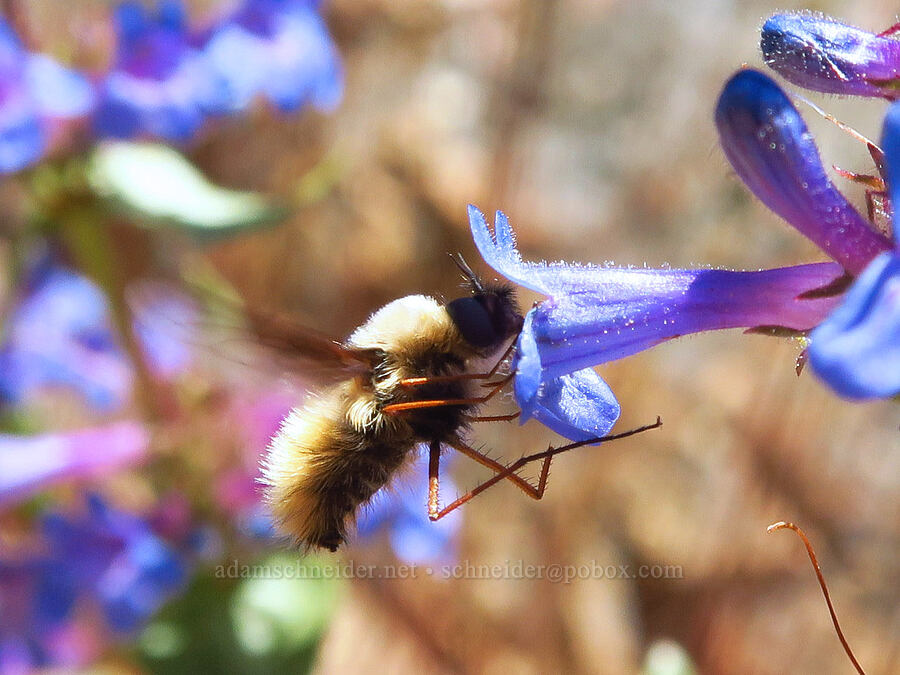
488, 317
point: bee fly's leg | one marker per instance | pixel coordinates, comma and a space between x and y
434, 464
509, 471
497, 467
435, 512
431, 379
395, 408
494, 418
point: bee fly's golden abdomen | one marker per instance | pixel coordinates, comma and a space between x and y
321, 466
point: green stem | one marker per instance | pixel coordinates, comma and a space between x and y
86, 236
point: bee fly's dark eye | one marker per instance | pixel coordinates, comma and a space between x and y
474, 321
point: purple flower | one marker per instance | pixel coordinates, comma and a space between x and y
111, 559
29, 464
414, 538
159, 86
825, 55
36, 93
597, 314
60, 335
98, 561
29, 631
279, 49
771, 149
856, 350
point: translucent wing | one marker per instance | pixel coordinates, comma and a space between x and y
269, 343
306, 349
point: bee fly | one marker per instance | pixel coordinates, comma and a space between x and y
414, 373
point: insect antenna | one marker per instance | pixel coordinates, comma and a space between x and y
471, 278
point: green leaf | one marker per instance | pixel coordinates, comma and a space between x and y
158, 185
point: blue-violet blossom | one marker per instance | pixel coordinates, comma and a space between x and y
36, 94
279, 49
597, 314
822, 54
102, 560
856, 349
160, 85
60, 334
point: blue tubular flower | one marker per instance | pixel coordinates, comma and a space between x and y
100, 561
35, 94
279, 49
578, 406
818, 53
598, 314
856, 350
28, 464
60, 335
112, 559
771, 149
159, 85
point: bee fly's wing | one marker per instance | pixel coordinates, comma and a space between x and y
271, 345
307, 348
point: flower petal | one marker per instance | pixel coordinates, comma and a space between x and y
29, 464
856, 350
771, 149
281, 50
60, 334
500, 252
625, 311
23, 138
822, 54
890, 144
579, 406
160, 86
58, 92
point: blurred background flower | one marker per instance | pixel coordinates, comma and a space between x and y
36, 95
277, 49
159, 85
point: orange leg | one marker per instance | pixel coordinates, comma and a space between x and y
395, 408
429, 379
509, 471
434, 510
494, 387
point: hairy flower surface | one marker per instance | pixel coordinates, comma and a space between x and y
597, 314
822, 54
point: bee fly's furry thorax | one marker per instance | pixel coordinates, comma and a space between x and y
332, 455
